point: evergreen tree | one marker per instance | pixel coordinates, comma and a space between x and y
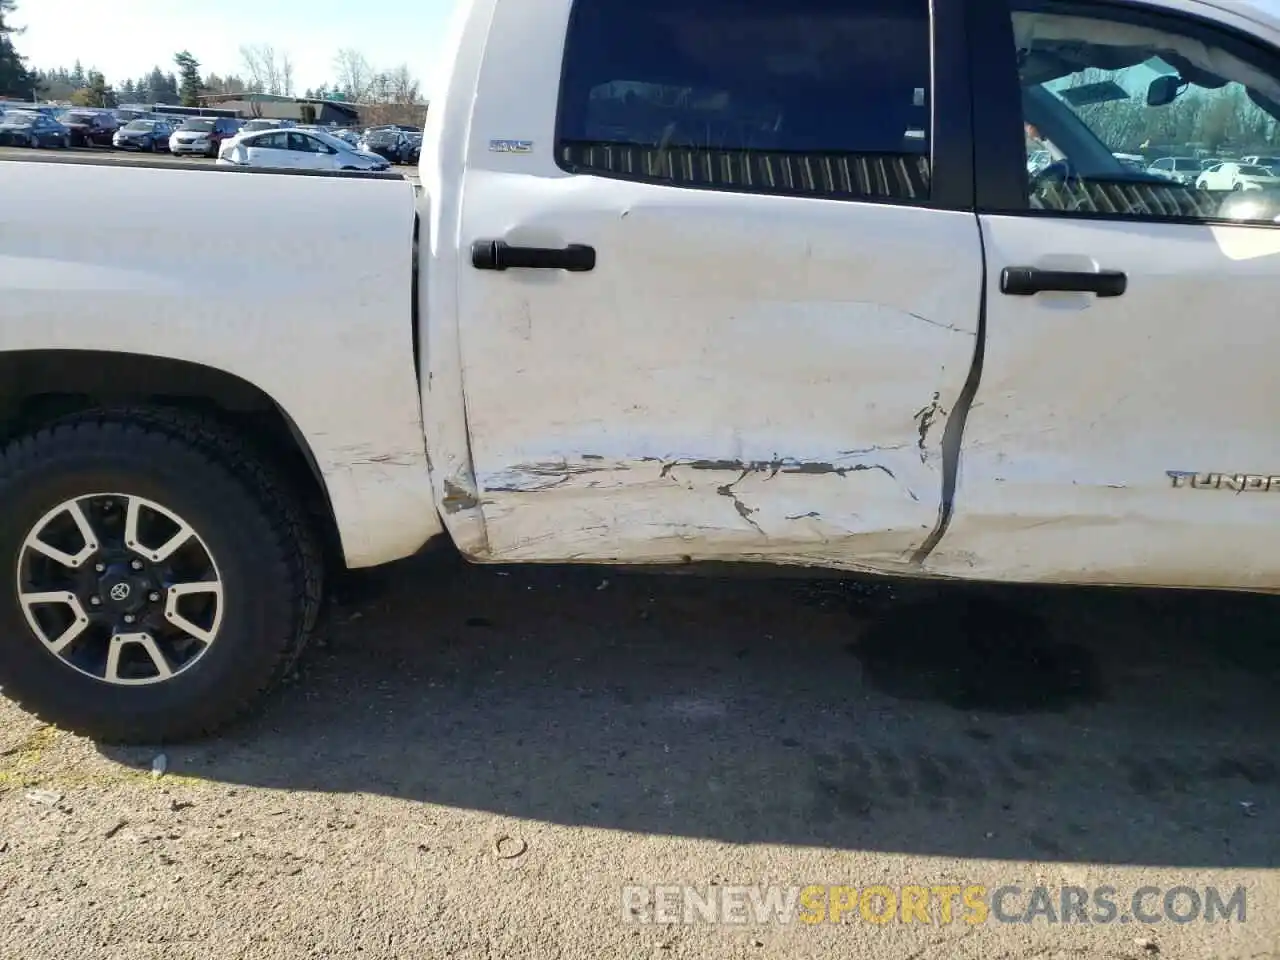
189, 72
96, 92
159, 89
15, 79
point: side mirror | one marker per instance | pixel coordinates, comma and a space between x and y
1164, 89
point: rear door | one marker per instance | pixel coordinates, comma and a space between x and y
270, 150
751, 276
1123, 429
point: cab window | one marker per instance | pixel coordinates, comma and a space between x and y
1190, 98
801, 97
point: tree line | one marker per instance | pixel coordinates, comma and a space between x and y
263, 69
1218, 120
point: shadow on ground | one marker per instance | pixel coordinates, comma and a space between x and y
1070, 725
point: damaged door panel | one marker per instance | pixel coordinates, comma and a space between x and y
665, 406
1122, 431
763, 354
1090, 409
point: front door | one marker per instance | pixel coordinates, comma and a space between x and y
1123, 429
745, 297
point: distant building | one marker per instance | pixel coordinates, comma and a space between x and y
298, 109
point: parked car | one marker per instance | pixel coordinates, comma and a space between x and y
1132, 161
259, 124
598, 334
202, 136
1272, 163
90, 128
297, 150
147, 135
387, 142
28, 128
1236, 176
1178, 169
348, 136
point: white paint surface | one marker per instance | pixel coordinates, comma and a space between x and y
742, 377
1085, 403
717, 327
299, 285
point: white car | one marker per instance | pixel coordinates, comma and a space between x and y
260, 124
1178, 169
1236, 176
297, 150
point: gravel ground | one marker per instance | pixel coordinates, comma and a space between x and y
475, 761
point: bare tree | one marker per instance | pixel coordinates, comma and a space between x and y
268, 71
402, 86
354, 75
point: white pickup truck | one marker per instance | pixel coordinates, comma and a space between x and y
686, 280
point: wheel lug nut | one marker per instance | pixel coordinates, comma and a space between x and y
129, 618
136, 564
153, 596
99, 568
95, 601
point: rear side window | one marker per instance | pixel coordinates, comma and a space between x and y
800, 97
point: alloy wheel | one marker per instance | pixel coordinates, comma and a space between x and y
120, 588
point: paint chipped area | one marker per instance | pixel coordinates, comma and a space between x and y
655, 510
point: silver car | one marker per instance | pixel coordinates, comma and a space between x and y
297, 150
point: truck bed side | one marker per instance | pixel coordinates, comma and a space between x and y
301, 286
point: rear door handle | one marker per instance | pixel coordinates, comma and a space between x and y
1028, 281
500, 255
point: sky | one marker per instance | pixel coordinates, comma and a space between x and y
126, 38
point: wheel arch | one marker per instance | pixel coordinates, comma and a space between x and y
40, 386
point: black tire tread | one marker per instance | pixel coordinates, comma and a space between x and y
222, 446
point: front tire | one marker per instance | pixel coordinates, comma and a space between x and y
156, 577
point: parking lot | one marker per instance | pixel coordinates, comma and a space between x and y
474, 762
130, 156
478, 761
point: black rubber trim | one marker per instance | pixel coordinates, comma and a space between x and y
999, 144
953, 434
176, 164
952, 137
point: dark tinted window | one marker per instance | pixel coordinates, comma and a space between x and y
302, 143
813, 97
270, 141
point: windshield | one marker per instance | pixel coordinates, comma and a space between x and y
140, 125
1249, 170
1094, 88
76, 116
199, 126
18, 118
259, 125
